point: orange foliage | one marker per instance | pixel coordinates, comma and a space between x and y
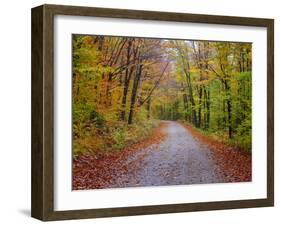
102, 169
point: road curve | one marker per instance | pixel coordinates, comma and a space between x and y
178, 160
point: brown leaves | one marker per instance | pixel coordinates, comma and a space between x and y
101, 170
234, 164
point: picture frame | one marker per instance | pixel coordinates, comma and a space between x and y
43, 182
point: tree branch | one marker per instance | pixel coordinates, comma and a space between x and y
156, 84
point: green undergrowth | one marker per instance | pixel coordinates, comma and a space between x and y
241, 140
100, 136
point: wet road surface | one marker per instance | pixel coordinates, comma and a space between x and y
179, 159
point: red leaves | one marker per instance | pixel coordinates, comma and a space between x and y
234, 164
102, 170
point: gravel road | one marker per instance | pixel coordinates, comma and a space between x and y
179, 159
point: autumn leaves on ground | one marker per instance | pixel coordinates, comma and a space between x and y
150, 112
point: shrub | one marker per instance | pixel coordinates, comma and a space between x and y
97, 119
119, 137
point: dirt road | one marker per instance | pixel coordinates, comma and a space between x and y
179, 159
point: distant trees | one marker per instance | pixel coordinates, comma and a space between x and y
214, 79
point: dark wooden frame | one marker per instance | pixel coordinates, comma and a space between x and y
42, 203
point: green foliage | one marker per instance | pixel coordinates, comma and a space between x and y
119, 136
208, 84
97, 119
81, 112
243, 137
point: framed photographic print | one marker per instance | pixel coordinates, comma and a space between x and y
141, 112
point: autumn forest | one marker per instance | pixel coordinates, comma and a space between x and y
160, 97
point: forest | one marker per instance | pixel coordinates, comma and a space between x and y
124, 87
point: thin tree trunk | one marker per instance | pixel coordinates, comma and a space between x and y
208, 108
134, 93
185, 104
112, 61
186, 67
199, 110
108, 92
190, 92
229, 109
127, 79
205, 107
148, 107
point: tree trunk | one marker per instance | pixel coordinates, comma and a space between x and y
148, 107
108, 92
185, 104
134, 93
199, 110
127, 79
229, 119
190, 92
113, 61
229, 109
186, 67
208, 103
205, 107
